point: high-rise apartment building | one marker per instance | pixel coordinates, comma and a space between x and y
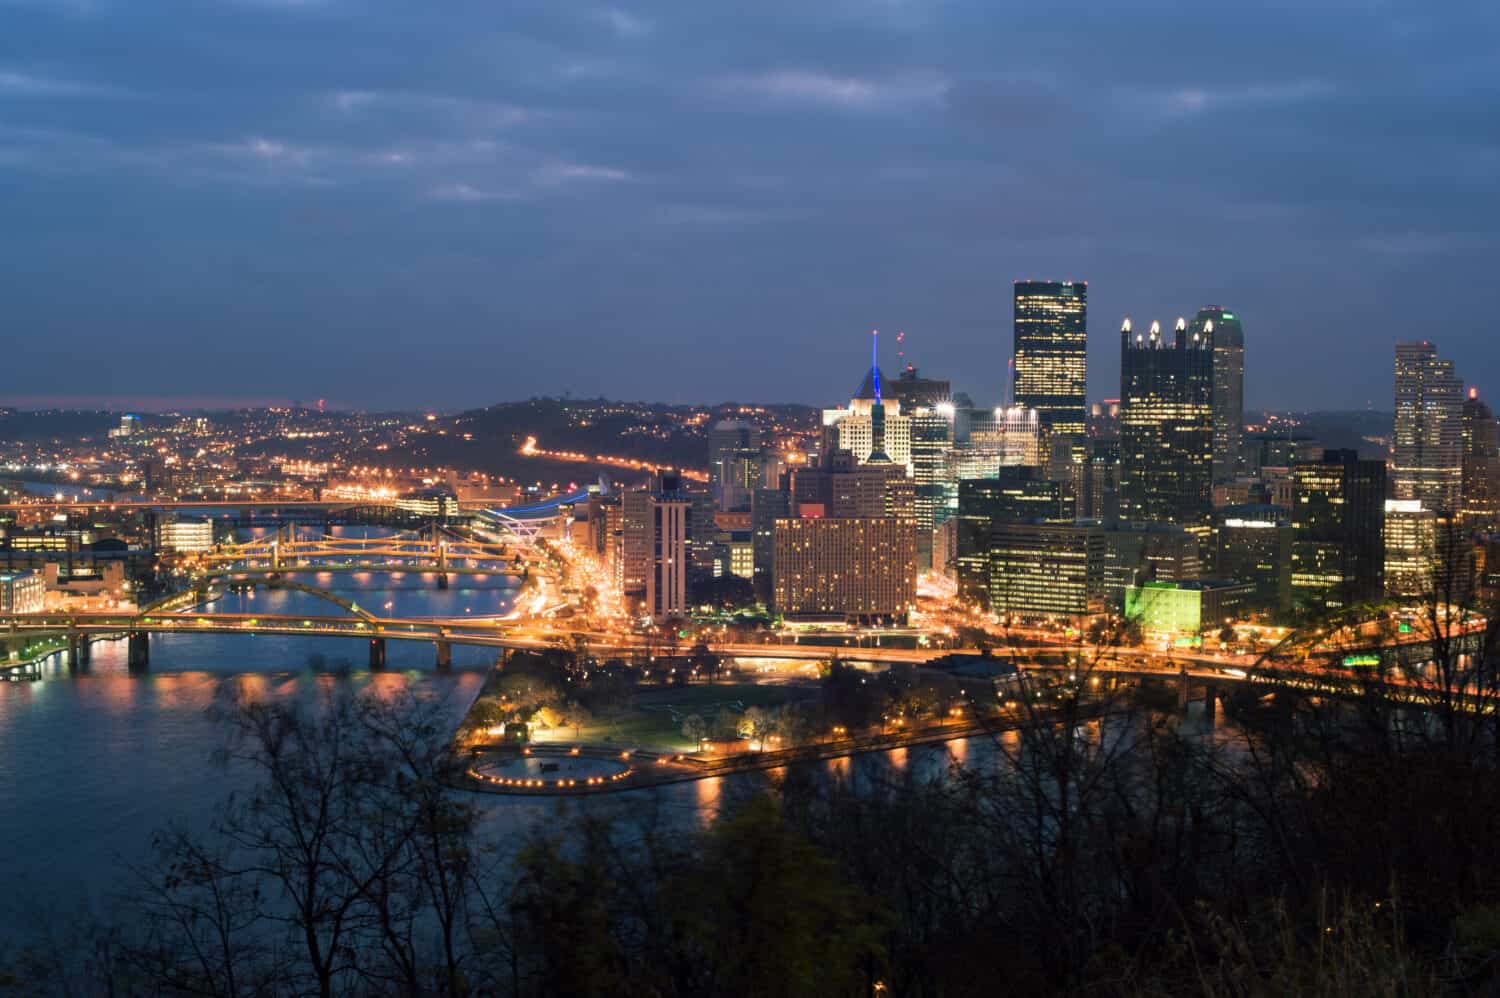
1051, 351
856, 567
1427, 461
1338, 525
1229, 388
1166, 426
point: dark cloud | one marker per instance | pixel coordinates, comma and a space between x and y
416, 204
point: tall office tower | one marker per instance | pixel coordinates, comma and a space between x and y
1051, 351
1229, 388
769, 506
853, 568
670, 559
1016, 495
1338, 525
931, 440
635, 544
734, 455
1101, 497
1481, 466
1001, 438
1410, 543
1166, 426
913, 390
1046, 570
1427, 464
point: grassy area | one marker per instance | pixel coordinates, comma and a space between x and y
656, 717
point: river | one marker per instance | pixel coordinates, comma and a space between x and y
91, 763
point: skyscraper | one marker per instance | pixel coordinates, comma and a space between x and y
734, 456
1481, 465
1338, 524
1428, 459
1166, 426
1229, 387
1051, 349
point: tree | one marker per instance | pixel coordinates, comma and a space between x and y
694, 728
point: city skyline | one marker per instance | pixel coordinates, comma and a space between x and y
567, 191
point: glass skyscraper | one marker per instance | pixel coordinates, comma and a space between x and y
1051, 349
1166, 427
1428, 457
1229, 388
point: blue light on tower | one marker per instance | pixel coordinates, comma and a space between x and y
875, 361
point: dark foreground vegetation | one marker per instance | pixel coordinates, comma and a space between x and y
1308, 847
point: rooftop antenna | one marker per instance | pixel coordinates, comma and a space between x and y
875, 361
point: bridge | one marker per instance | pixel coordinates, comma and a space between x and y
436, 548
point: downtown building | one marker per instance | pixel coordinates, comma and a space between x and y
1480, 507
1166, 426
1253, 543
1228, 337
1427, 459
1051, 352
1046, 571
1338, 527
854, 568
734, 463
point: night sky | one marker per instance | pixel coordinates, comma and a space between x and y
451, 203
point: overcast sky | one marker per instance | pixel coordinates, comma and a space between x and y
448, 203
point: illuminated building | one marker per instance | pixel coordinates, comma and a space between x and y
1186, 609
931, 440
1166, 426
1481, 466
1228, 388
1426, 553
1045, 570
734, 459
840, 487
185, 533
431, 503
669, 511
1100, 498
1338, 522
1253, 543
1410, 542
769, 505
858, 567
1019, 494
734, 554
871, 429
635, 544
1136, 552
22, 592
1051, 352
1427, 461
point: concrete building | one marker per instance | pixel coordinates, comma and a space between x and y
851, 568
185, 534
1253, 543
1186, 609
1043, 571
22, 592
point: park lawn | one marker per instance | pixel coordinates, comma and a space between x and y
655, 720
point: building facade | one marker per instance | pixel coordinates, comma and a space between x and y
1427, 460
1229, 388
1051, 351
1166, 426
1046, 570
1338, 526
853, 568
